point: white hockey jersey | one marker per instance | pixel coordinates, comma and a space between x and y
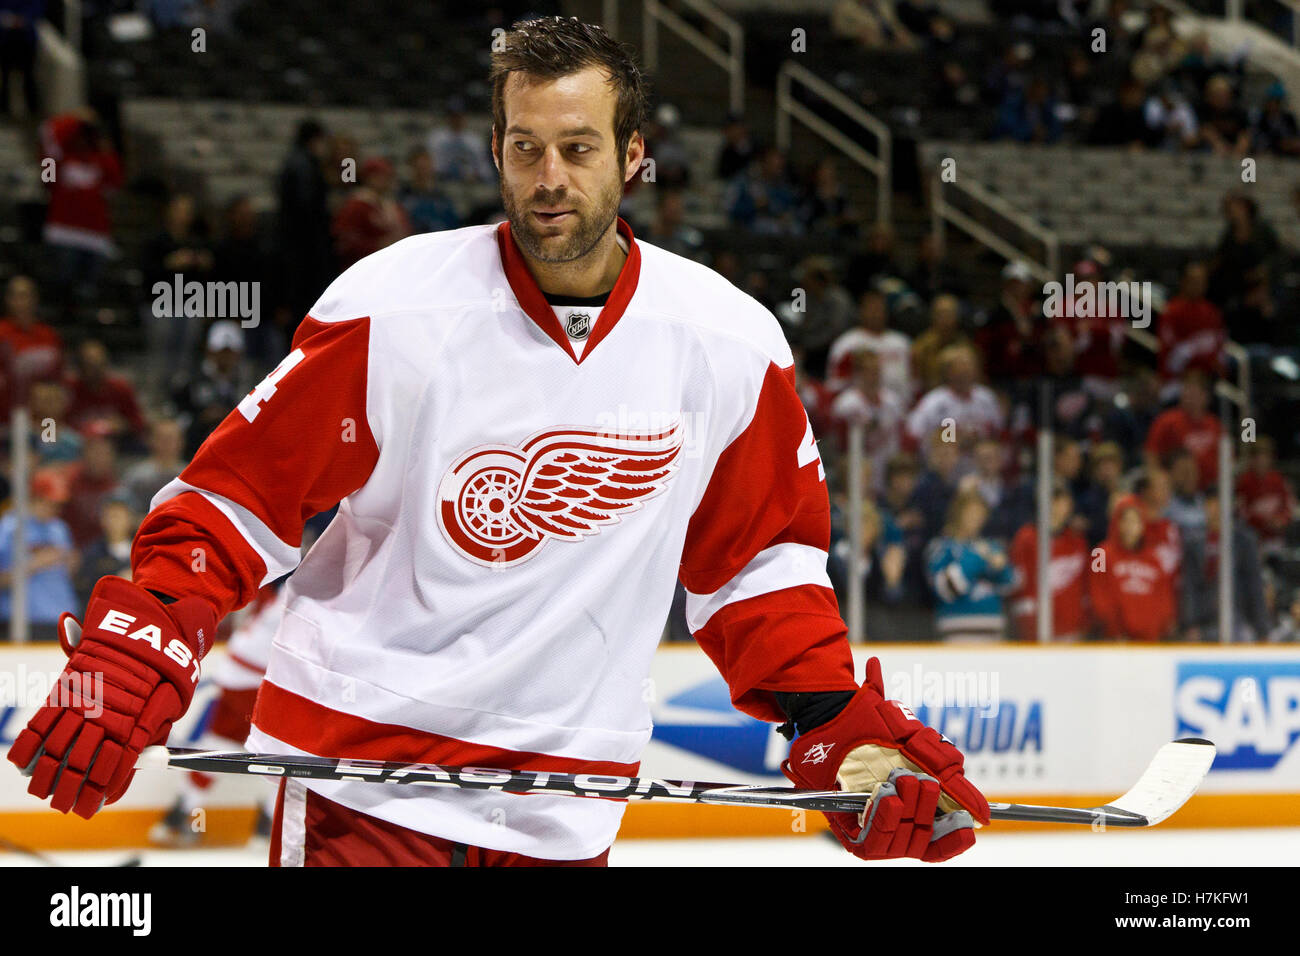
513, 520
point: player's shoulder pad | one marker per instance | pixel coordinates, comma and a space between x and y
432, 271
692, 293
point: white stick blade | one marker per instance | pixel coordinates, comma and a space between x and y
1173, 776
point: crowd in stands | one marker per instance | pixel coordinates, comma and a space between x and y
893, 350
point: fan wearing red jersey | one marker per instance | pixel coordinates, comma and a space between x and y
1067, 572
1129, 586
506, 547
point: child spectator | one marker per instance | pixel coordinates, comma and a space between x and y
110, 553
1067, 572
969, 574
1131, 593
1105, 468
54, 440
51, 558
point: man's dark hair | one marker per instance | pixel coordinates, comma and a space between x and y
552, 47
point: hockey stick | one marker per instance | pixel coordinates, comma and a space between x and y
1172, 777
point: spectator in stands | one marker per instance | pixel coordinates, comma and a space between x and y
1154, 489
821, 314
427, 205
1186, 498
1132, 595
969, 574
1028, 114
1123, 121
51, 558
371, 219
883, 553
739, 148
180, 248
934, 271
943, 332
1160, 50
937, 485
1190, 330
166, 460
1170, 118
30, 350
110, 552
1199, 608
1067, 572
54, 440
988, 476
242, 255
1097, 329
1105, 469
669, 229
303, 223
1189, 426
18, 19
762, 199
1264, 496
1225, 127
104, 400
873, 334
872, 23
90, 480
866, 402
961, 407
665, 146
825, 210
1273, 127
1129, 415
875, 259
78, 226
1288, 625
460, 155
223, 380
1240, 272
1010, 340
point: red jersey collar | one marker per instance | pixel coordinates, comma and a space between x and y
534, 304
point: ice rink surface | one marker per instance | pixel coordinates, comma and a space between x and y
1193, 848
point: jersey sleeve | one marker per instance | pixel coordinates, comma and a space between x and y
296, 445
758, 598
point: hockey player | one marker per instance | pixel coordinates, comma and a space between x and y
534, 431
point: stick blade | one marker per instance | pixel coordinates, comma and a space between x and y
1173, 776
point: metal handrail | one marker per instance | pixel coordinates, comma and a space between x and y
1045, 270
654, 12
788, 108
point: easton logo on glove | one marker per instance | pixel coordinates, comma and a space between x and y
118, 622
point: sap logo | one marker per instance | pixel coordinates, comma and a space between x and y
1250, 710
702, 721
974, 730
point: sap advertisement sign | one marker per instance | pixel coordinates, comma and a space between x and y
1250, 709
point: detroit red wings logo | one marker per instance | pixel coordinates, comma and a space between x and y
497, 504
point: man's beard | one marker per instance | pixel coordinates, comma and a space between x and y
584, 236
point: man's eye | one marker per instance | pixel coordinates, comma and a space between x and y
522, 146
580, 148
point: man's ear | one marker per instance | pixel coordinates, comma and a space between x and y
635, 156
496, 155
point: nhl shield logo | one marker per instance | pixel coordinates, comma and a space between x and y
578, 325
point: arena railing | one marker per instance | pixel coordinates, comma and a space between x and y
654, 13
788, 108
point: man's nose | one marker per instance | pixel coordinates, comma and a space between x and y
551, 172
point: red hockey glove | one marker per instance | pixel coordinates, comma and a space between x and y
131, 673
923, 806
